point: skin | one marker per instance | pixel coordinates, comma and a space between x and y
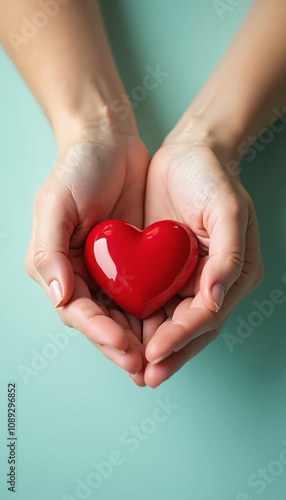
104, 170
94, 177
198, 157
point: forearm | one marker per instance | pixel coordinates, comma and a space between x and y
67, 63
238, 99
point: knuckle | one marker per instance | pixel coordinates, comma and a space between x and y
234, 263
46, 197
237, 208
41, 256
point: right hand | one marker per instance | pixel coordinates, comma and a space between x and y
100, 175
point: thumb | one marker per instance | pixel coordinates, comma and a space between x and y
227, 231
54, 228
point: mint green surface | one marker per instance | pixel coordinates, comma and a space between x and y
224, 435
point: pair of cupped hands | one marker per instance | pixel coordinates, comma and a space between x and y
104, 173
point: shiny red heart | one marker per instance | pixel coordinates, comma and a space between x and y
140, 270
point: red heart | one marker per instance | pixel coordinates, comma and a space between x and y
141, 270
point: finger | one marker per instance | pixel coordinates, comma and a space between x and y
118, 343
191, 322
192, 319
135, 325
87, 316
154, 321
55, 223
163, 369
173, 335
138, 378
156, 374
226, 226
130, 361
192, 287
133, 340
151, 325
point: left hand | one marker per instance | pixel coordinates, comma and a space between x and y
189, 184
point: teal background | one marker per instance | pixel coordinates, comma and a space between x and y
230, 413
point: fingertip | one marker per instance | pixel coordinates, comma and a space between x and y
138, 378
167, 340
129, 360
155, 347
152, 377
114, 334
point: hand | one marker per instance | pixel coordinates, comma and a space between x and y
101, 174
187, 182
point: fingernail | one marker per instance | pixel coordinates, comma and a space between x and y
56, 293
217, 293
161, 358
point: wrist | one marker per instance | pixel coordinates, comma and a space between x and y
91, 109
210, 129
